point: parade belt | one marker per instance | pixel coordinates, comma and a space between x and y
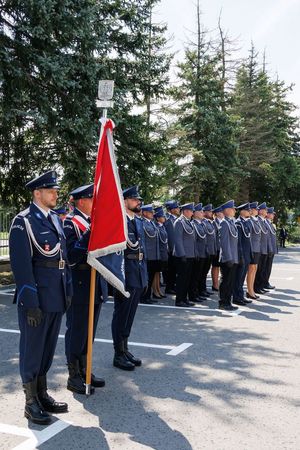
136, 256
51, 264
82, 267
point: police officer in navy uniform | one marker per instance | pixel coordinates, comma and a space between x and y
152, 250
260, 278
38, 257
136, 280
184, 251
211, 245
244, 234
77, 231
255, 239
200, 254
215, 263
160, 220
173, 212
272, 246
229, 256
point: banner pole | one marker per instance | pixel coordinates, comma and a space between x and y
90, 333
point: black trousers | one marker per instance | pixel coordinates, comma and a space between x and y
124, 313
269, 265
197, 278
206, 267
238, 289
37, 344
171, 273
77, 330
227, 283
260, 278
282, 242
184, 276
152, 268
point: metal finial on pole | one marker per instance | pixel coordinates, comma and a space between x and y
104, 101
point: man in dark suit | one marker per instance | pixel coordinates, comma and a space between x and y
136, 280
38, 257
77, 231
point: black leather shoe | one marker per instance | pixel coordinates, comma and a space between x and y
269, 287
181, 304
227, 307
120, 359
157, 296
75, 382
198, 300
170, 292
136, 361
48, 403
214, 289
239, 302
246, 301
33, 408
260, 291
95, 381
251, 296
204, 294
147, 302
188, 303
163, 296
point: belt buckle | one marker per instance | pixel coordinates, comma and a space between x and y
141, 256
61, 264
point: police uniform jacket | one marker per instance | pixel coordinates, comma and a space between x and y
169, 225
200, 245
244, 230
216, 224
211, 239
255, 235
229, 251
151, 240
264, 236
36, 247
136, 275
163, 242
184, 244
272, 242
77, 232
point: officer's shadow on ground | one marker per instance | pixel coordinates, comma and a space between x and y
216, 366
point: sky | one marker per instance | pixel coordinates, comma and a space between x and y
272, 25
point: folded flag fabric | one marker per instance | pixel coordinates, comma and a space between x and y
108, 230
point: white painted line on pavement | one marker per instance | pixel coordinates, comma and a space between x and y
204, 307
180, 348
39, 437
109, 341
282, 278
16, 431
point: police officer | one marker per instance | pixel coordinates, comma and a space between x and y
229, 256
260, 277
272, 246
136, 280
152, 250
173, 212
211, 245
255, 239
160, 220
38, 259
184, 251
77, 231
215, 263
244, 236
200, 254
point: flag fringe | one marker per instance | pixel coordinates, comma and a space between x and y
107, 274
113, 248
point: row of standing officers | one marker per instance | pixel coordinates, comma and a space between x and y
49, 262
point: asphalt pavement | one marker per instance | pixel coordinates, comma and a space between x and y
209, 379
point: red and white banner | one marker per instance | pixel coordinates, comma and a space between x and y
108, 219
